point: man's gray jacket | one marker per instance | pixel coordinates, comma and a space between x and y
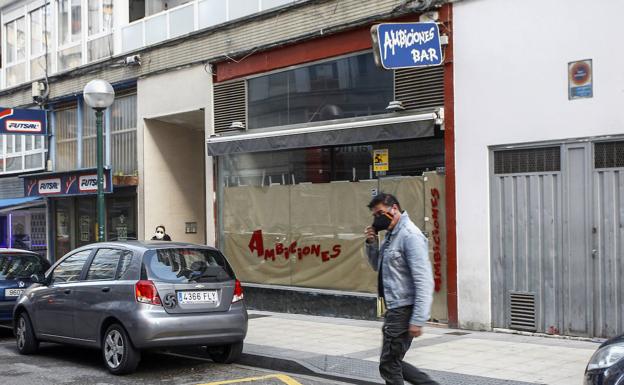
407, 276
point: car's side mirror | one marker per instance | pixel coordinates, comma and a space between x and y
38, 278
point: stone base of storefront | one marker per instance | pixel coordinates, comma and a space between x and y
328, 303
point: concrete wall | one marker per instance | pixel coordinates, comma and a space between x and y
172, 161
511, 79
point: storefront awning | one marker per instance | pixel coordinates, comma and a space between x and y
19, 203
344, 133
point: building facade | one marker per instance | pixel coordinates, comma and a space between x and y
539, 157
250, 125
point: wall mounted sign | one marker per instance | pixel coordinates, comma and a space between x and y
78, 182
407, 45
580, 80
380, 160
23, 121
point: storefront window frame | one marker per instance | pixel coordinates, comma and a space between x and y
437, 140
72, 205
294, 68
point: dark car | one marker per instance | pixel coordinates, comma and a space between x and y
123, 297
606, 367
16, 268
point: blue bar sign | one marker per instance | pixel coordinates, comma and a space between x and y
407, 45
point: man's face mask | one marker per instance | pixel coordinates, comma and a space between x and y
160, 234
382, 221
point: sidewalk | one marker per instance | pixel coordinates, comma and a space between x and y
350, 348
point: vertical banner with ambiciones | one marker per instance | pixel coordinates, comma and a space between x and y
435, 226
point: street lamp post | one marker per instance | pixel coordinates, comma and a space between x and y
99, 95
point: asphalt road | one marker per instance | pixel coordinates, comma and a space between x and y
59, 364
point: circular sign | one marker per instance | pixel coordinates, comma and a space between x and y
580, 73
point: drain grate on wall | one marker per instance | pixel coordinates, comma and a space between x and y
609, 154
230, 105
522, 311
541, 159
419, 87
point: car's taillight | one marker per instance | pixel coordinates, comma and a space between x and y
238, 292
146, 292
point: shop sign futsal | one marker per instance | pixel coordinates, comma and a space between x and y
79, 182
407, 45
23, 121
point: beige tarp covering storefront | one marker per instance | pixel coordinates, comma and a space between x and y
311, 235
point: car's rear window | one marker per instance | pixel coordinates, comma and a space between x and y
15, 266
187, 265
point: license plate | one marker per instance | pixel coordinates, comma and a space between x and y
196, 297
13, 292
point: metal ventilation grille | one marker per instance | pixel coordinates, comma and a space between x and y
229, 105
609, 154
522, 311
527, 160
420, 87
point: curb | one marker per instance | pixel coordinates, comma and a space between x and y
294, 366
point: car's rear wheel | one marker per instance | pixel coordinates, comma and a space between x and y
25, 335
226, 354
120, 356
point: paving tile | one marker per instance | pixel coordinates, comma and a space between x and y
491, 355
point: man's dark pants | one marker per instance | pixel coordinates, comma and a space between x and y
396, 342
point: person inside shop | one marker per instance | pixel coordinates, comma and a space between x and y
161, 234
405, 285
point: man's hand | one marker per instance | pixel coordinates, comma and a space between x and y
371, 235
415, 331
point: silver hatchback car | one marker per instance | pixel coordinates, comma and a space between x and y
122, 297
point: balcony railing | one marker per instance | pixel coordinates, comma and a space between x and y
189, 17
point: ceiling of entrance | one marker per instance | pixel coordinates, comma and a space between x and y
190, 119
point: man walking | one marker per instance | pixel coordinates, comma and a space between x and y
405, 283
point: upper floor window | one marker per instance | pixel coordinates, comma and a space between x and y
69, 34
15, 32
144, 8
40, 41
66, 138
342, 88
153, 21
69, 21
76, 136
19, 153
100, 16
100, 38
16, 40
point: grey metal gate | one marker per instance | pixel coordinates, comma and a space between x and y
557, 222
526, 216
608, 238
